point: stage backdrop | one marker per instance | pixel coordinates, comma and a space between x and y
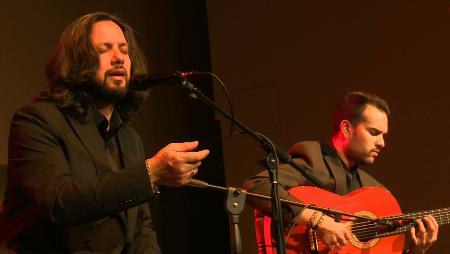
287, 63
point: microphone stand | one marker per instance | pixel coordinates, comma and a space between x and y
235, 205
274, 153
236, 201
238, 191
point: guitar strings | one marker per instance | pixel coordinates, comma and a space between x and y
370, 229
441, 216
360, 227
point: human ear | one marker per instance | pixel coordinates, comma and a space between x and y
346, 128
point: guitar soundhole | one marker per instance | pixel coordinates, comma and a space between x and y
365, 231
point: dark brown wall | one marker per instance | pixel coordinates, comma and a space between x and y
287, 63
190, 220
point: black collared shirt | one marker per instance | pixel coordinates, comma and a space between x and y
353, 181
352, 175
112, 147
114, 155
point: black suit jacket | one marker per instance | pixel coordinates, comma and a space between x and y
316, 157
60, 187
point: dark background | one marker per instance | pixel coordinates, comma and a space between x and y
286, 63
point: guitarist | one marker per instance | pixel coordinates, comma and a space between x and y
360, 122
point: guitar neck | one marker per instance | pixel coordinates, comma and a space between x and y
442, 217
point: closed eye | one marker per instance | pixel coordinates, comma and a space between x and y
374, 132
123, 48
104, 47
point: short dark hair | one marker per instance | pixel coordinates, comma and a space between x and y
352, 106
74, 63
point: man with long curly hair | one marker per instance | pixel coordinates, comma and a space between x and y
78, 180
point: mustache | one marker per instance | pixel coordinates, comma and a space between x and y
118, 71
376, 150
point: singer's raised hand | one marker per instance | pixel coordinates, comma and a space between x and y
176, 163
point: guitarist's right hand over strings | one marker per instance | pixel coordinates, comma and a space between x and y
333, 234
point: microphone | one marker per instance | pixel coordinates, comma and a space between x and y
145, 82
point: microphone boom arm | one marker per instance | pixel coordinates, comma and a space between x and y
282, 154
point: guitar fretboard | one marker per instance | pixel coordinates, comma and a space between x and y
442, 217
396, 224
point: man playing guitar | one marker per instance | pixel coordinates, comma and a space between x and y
360, 122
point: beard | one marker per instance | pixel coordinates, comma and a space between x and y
367, 160
108, 91
356, 152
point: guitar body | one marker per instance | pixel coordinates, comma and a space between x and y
370, 202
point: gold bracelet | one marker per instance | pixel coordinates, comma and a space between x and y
149, 172
316, 219
312, 218
322, 217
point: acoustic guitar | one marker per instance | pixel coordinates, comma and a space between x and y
385, 235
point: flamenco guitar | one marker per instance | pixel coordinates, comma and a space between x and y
368, 237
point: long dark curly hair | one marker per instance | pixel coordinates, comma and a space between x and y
74, 63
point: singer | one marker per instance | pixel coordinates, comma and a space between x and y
78, 180
360, 123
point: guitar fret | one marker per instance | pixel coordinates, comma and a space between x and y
367, 229
442, 215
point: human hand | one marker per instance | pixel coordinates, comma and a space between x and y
424, 236
176, 164
334, 234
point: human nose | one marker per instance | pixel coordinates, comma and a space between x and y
380, 141
117, 57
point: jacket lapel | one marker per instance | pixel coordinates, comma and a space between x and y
89, 136
93, 142
367, 180
336, 167
338, 173
132, 213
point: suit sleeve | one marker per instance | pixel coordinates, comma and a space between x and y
39, 166
307, 155
288, 177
